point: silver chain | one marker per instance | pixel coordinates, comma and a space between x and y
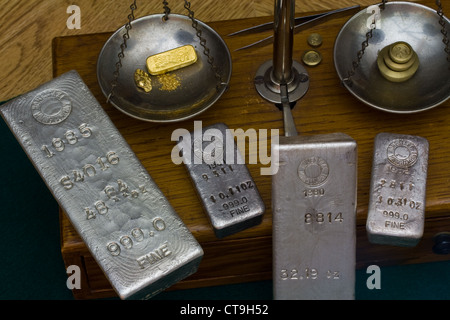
121, 54
360, 53
166, 10
445, 40
206, 51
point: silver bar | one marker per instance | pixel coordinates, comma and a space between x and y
314, 217
130, 228
283, 41
227, 191
398, 190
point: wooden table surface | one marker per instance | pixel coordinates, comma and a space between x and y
30, 26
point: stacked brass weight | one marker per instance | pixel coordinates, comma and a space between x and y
398, 62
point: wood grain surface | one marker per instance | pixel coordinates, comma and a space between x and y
29, 27
327, 107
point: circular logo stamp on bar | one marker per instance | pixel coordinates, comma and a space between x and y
313, 171
212, 151
402, 153
51, 107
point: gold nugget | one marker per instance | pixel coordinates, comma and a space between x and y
171, 60
142, 80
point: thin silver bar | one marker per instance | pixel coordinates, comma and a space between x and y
283, 41
130, 228
314, 217
398, 190
227, 191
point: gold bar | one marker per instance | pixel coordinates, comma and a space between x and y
171, 60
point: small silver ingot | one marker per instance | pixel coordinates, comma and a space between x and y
398, 189
314, 217
221, 179
128, 225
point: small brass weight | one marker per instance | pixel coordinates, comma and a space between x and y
398, 62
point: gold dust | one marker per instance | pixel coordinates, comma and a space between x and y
169, 82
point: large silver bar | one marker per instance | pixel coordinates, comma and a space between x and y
223, 183
314, 217
398, 190
130, 228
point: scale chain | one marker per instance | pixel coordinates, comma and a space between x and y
444, 32
206, 51
166, 10
364, 45
121, 54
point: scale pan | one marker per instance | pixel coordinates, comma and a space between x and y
178, 95
413, 23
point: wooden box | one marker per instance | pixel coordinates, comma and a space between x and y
327, 107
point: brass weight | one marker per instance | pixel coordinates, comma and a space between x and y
312, 58
398, 62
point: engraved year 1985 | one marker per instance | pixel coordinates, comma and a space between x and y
71, 137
